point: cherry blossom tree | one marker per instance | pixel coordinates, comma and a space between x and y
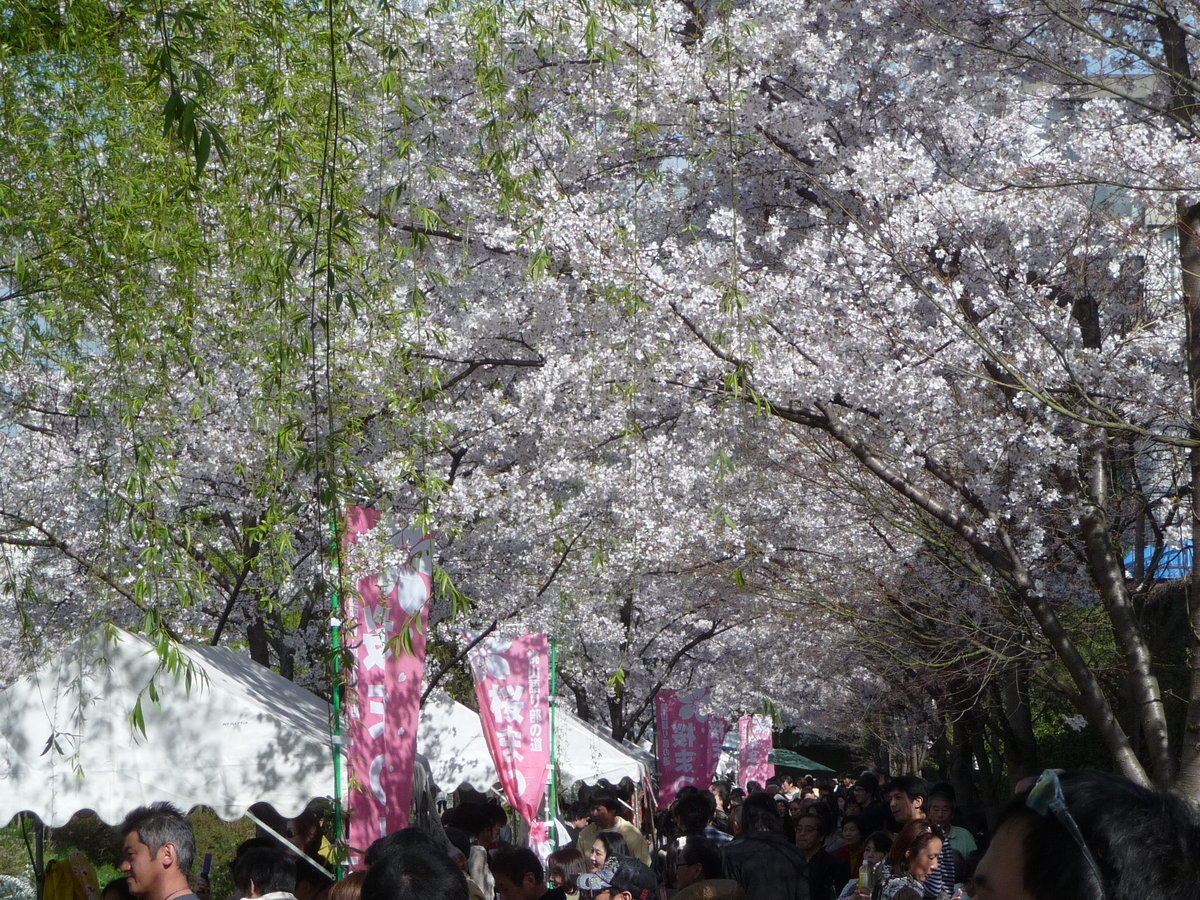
959, 274
702, 333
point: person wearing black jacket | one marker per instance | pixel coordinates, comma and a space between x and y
761, 859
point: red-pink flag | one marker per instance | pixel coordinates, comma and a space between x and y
684, 742
385, 629
755, 757
512, 682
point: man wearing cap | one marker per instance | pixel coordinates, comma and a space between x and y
621, 878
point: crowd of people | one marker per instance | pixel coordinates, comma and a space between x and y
1065, 836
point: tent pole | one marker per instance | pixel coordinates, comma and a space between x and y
288, 845
39, 865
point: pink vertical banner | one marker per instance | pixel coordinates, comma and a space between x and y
512, 682
385, 629
717, 729
684, 743
755, 744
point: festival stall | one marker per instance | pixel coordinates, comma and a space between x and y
451, 737
103, 726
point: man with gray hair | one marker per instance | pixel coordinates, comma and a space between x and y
157, 852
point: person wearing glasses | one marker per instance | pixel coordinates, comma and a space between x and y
1091, 836
698, 873
621, 878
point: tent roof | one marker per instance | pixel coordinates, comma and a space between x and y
243, 734
585, 754
790, 759
451, 736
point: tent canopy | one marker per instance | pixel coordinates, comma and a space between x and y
790, 759
451, 736
242, 734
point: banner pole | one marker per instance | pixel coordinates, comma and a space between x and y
553, 742
335, 629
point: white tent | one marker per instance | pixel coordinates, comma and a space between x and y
584, 754
451, 737
242, 734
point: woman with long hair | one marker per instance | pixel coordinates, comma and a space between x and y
914, 858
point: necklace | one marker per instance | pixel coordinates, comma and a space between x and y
178, 892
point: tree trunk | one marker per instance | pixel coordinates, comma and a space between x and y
1020, 743
256, 637
1188, 226
1109, 579
1005, 559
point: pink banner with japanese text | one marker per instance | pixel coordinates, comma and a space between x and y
717, 729
512, 682
684, 742
754, 733
385, 631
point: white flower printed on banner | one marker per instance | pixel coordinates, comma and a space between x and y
411, 591
690, 703
488, 660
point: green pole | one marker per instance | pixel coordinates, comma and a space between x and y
335, 630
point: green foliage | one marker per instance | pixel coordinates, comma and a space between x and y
98, 841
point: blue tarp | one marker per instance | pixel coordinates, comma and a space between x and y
1176, 562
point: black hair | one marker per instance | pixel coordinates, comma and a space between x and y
704, 851
409, 871
823, 828
614, 844
694, 810
880, 840
758, 814
568, 863
856, 821
474, 816
1146, 842
270, 868
515, 862
400, 842
608, 801
912, 786
578, 810
160, 824
121, 886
